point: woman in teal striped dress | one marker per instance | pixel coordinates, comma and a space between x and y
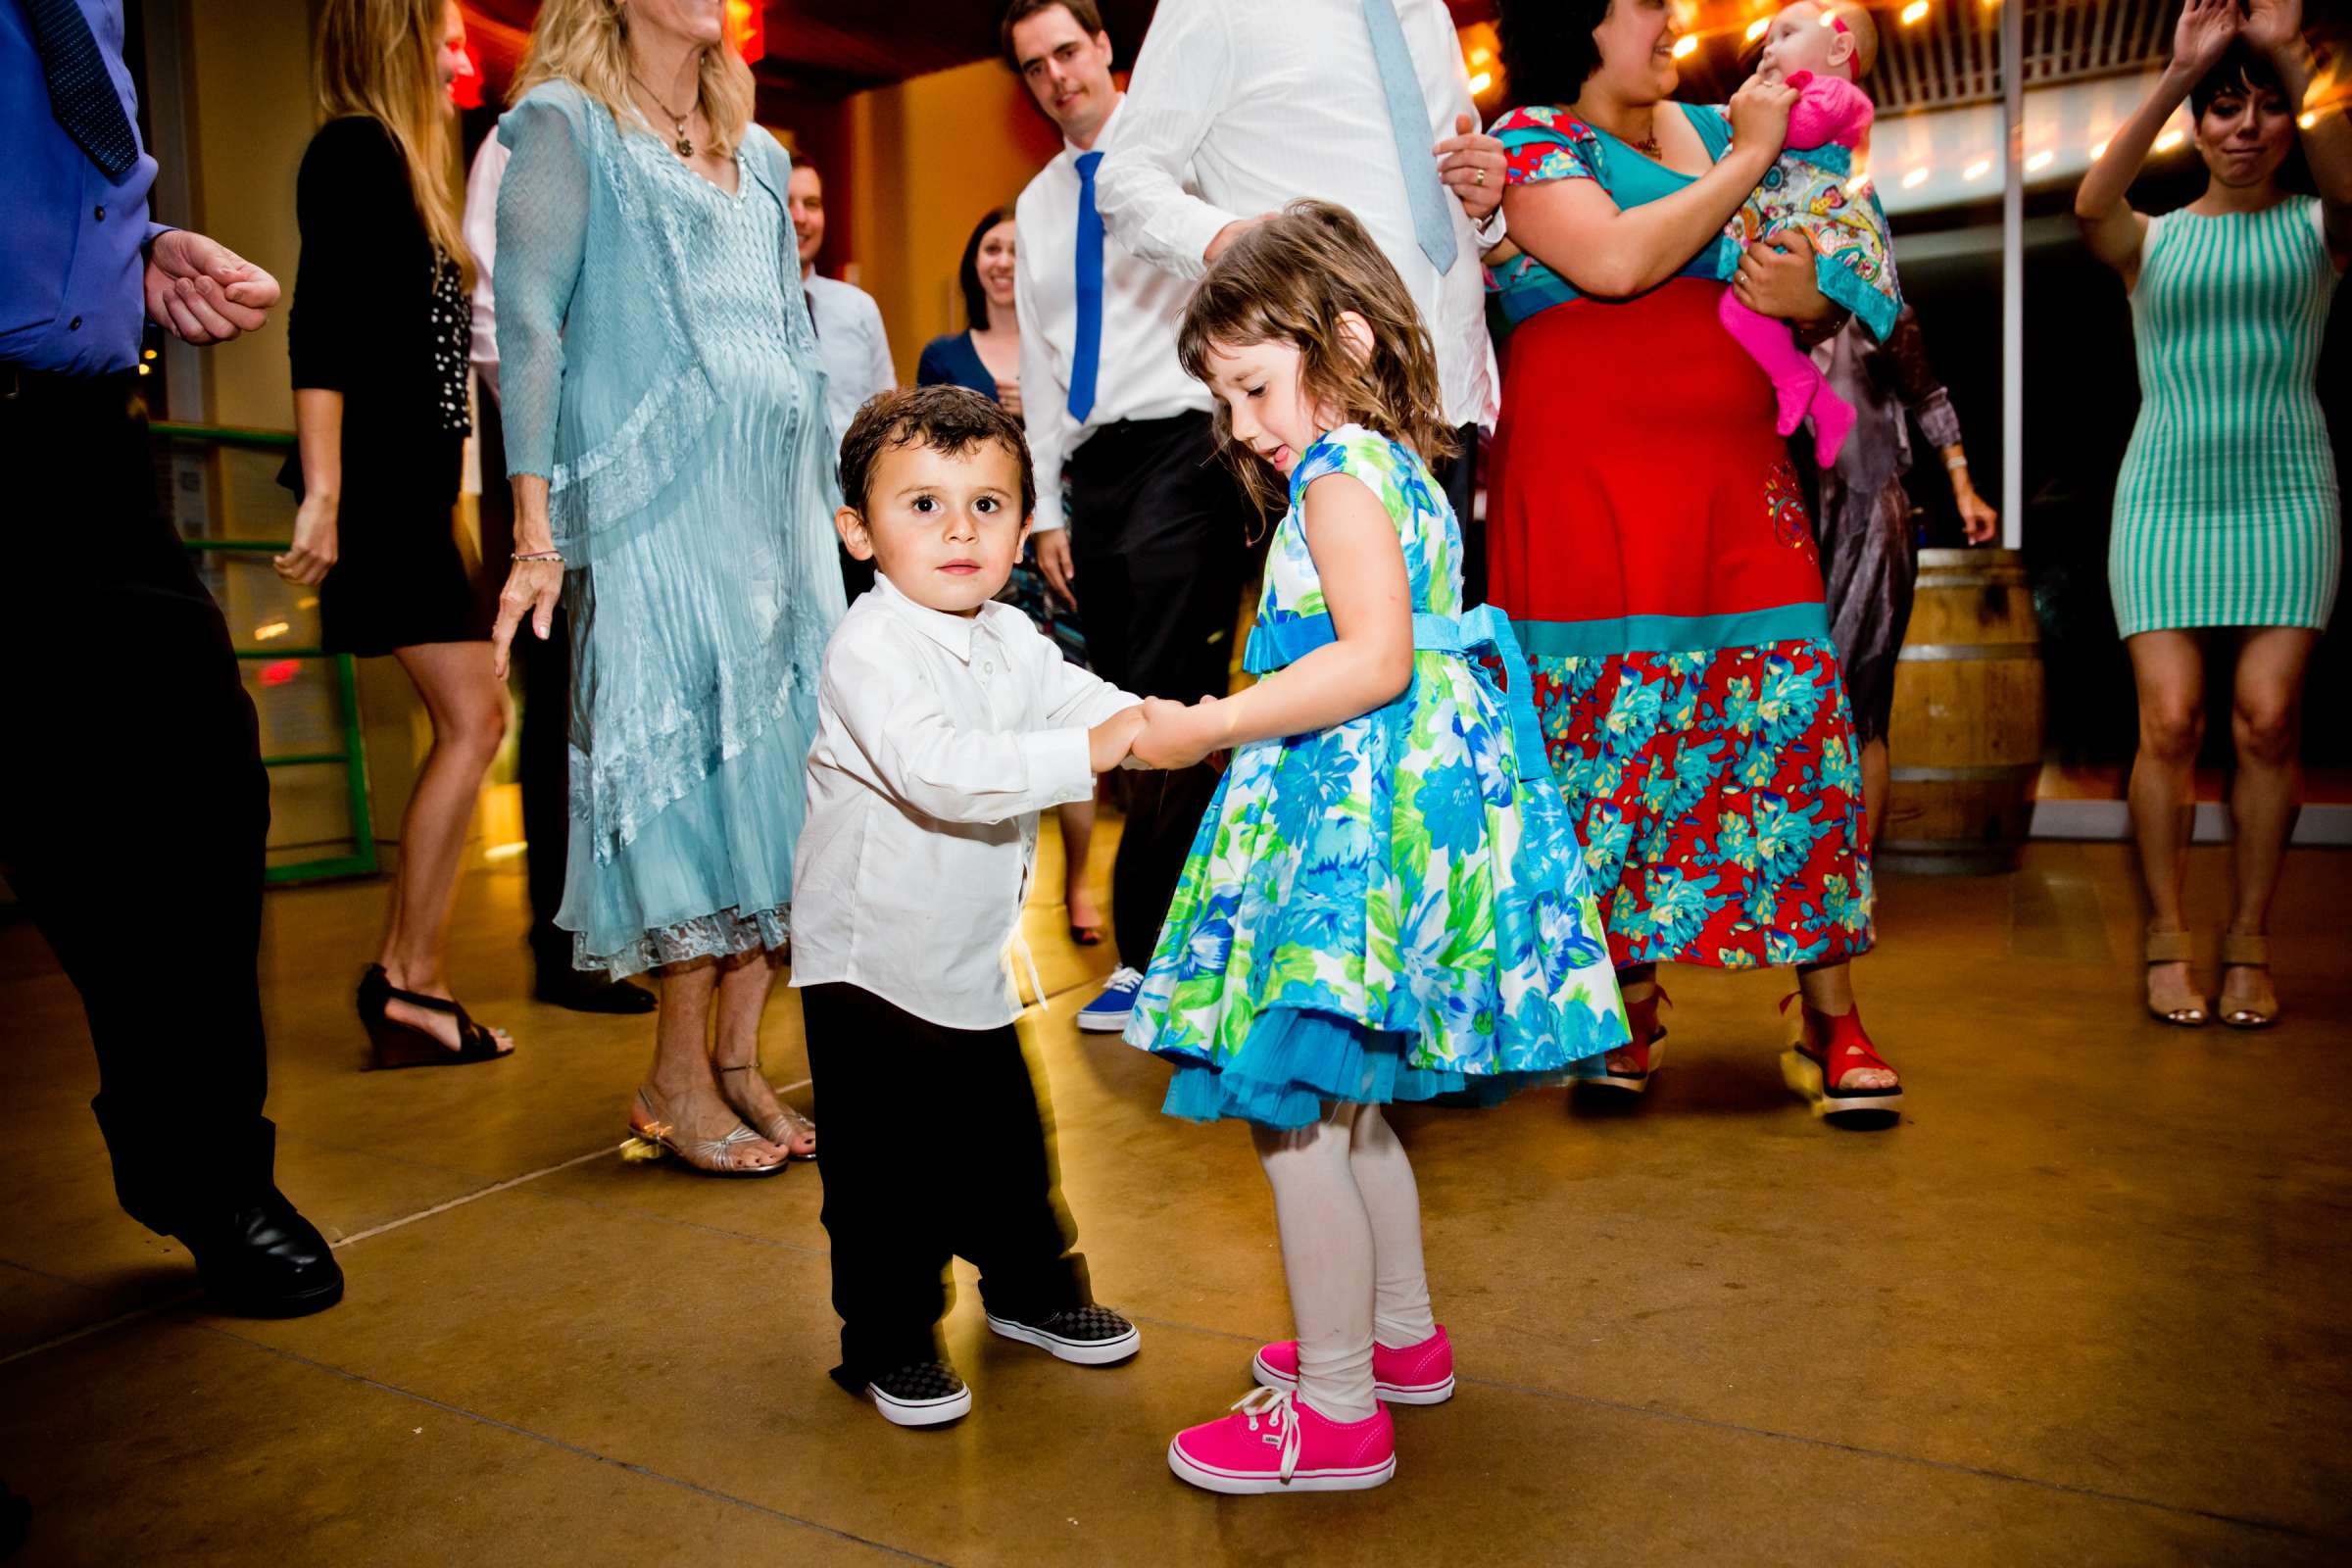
2227, 538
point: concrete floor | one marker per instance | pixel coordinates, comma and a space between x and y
2086, 1305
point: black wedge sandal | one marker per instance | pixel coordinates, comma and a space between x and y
400, 1045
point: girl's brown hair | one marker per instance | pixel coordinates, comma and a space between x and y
379, 58
1288, 279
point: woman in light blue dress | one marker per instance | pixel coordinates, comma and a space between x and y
673, 481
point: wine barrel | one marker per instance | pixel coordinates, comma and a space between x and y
1965, 741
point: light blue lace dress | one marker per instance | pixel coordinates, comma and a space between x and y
659, 369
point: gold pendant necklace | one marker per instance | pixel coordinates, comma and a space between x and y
685, 143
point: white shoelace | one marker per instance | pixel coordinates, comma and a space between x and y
1275, 1405
1124, 977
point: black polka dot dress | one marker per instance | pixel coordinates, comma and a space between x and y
383, 315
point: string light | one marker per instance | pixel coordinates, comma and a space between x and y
1978, 169
271, 632
1758, 29
1916, 178
1685, 45
1481, 82
2170, 140
2098, 150
2041, 160
1916, 10
2308, 118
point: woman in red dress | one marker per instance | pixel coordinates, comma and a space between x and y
1651, 542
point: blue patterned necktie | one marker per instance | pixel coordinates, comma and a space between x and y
80, 93
1087, 359
1408, 121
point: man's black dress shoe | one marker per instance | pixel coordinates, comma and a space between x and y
264, 1260
583, 991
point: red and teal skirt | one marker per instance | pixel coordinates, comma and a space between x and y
1648, 539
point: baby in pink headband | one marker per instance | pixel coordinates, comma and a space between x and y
1819, 47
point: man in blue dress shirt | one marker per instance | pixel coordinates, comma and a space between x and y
134, 809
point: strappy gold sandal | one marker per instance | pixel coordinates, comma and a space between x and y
2246, 950
650, 1138
787, 1128
2173, 947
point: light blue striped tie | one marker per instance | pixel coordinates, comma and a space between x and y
1408, 120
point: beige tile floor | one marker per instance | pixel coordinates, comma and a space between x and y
2086, 1305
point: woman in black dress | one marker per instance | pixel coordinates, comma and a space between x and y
378, 333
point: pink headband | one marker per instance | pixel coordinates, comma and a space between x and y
1838, 22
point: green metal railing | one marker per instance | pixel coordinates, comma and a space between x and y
353, 756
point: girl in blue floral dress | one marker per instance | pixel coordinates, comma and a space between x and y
1385, 901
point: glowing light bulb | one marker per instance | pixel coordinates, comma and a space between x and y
1978, 169
2098, 150
1858, 184
2170, 140
2041, 160
1685, 45
1758, 29
1916, 178
1481, 55
1481, 82
271, 632
1916, 10
2308, 118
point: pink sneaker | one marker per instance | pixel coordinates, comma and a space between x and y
1272, 1443
1418, 1374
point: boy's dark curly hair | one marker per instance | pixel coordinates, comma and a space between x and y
1547, 48
946, 418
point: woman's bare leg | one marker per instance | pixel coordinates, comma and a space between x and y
744, 983
468, 713
2267, 794
682, 1090
1876, 782
2167, 667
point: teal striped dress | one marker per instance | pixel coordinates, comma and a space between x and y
2227, 508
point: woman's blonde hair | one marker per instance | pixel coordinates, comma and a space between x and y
379, 58
586, 42
1288, 279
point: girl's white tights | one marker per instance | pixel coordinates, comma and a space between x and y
1349, 1217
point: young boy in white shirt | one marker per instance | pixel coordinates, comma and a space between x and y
946, 722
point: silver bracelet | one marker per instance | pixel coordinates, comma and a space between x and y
555, 556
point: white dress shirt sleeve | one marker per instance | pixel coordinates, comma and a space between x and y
1045, 401
1181, 78
917, 754
1080, 697
480, 229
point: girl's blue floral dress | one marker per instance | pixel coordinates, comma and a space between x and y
1394, 908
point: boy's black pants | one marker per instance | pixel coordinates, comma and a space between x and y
933, 1148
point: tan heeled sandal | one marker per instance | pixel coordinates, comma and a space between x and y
787, 1126
2173, 947
651, 1137
2246, 950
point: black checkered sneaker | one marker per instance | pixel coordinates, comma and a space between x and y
922, 1393
1089, 1334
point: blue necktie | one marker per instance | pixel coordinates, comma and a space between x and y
1088, 357
1408, 121
81, 95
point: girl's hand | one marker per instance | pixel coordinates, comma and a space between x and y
1760, 116
532, 589
1009, 393
313, 554
2206, 29
2272, 27
1176, 736
1107, 743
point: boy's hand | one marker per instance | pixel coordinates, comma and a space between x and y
1107, 743
1177, 736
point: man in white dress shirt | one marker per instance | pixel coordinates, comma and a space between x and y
543, 752
1235, 108
1153, 558
850, 341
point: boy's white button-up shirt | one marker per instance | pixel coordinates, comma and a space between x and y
939, 739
